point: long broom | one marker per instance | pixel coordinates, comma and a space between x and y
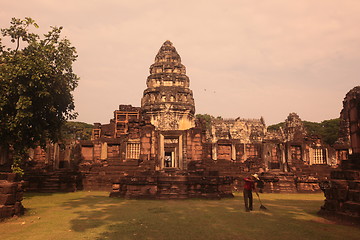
262, 207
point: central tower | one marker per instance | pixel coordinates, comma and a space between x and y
168, 100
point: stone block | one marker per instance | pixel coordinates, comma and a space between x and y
354, 185
7, 199
198, 148
145, 140
352, 175
339, 184
6, 211
337, 175
354, 195
13, 177
341, 194
19, 196
8, 188
331, 205
352, 208
19, 209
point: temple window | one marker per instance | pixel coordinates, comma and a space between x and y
319, 156
133, 151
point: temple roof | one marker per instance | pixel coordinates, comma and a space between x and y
168, 100
167, 53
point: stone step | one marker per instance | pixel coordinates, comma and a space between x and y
354, 195
351, 208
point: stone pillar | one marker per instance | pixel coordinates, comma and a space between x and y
214, 151
56, 155
283, 158
104, 151
180, 152
311, 156
233, 152
161, 150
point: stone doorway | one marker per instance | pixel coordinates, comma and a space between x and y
169, 160
171, 150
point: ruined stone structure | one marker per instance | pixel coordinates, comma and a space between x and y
11, 195
342, 192
161, 150
155, 151
288, 159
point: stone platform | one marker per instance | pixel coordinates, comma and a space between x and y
169, 186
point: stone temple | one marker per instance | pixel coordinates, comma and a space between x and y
162, 150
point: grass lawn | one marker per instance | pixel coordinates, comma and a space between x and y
93, 215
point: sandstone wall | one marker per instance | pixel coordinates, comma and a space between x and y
11, 195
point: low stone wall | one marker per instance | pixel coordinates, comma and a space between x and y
287, 182
11, 195
172, 187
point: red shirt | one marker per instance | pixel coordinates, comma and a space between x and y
249, 184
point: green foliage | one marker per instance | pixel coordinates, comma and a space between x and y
206, 118
16, 166
36, 85
77, 130
275, 127
327, 130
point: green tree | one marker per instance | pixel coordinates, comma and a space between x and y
327, 130
206, 118
276, 127
77, 130
36, 85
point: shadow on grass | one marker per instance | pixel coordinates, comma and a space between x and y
200, 219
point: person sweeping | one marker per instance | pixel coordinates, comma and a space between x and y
249, 186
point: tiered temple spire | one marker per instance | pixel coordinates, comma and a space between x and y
168, 100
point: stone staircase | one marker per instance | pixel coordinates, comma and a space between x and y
100, 176
50, 182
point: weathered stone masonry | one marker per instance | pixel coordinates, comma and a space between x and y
11, 195
160, 150
342, 192
162, 139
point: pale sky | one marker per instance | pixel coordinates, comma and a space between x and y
244, 58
